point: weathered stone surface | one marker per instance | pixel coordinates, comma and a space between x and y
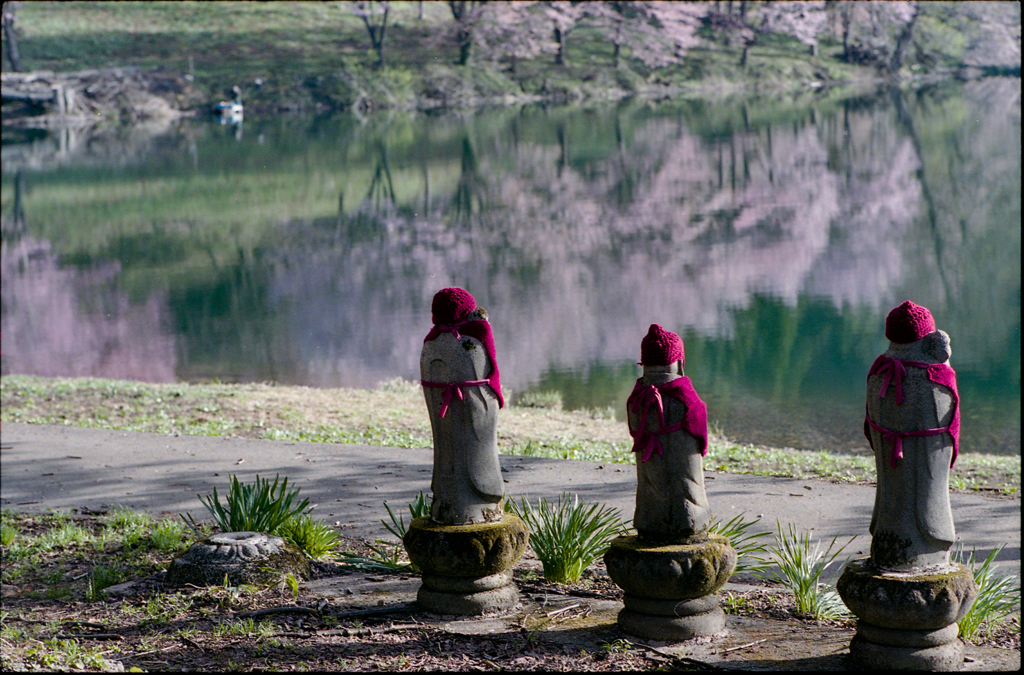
467, 584
467, 484
466, 550
239, 556
912, 522
949, 656
501, 599
893, 637
672, 629
637, 603
904, 600
670, 572
671, 503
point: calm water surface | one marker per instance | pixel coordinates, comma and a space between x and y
774, 236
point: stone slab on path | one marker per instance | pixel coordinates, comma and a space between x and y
63, 467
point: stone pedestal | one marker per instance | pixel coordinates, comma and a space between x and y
241, 557
907, 620
670, 589
467, 569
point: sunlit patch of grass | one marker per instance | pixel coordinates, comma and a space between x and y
800, 568
392, 415
574, 449
750, 552
998, 594
58, 654
568, 535
102, 577
315, 537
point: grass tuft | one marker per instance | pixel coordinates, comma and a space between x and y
749, 551
389, 556
261, 507
800, 570
998, 594
315, 537
567, 535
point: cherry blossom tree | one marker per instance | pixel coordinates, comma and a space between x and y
565, 16
876, 33
802, 20
514, 30
657, 33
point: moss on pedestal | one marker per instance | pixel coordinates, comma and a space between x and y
671, 571
466, 550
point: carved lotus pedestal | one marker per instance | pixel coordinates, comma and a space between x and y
670, 589
907, 620
467, 569
241, 557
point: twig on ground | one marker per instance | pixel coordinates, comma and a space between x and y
563, 609
89, 636
749, 644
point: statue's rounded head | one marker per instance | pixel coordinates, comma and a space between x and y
908, 323
451, 305
660, 347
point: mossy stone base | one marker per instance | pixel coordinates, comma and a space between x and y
241, 557
477, 550
672, 571
907, 620
467, 569
670, 588
906, 600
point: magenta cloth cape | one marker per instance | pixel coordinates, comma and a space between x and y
481, 330
694, 422
939, 373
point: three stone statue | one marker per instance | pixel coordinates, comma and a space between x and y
671, 570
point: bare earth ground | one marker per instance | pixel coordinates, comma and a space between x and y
355, 620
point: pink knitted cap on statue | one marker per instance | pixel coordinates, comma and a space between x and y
450, 305
908, 323
660, 347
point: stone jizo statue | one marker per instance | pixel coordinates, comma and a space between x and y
668, 423
907, 595
463, 394
913, 426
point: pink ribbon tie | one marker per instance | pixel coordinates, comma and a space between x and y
451, 389
896, 438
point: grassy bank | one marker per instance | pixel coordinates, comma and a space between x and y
316, 56
393, 415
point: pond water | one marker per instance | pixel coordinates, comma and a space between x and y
774, 236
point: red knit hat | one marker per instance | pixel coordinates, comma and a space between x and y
450, 305
908, 323
660, 347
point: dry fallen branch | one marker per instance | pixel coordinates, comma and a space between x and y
675, 658
287, 609
377, 611
356, 632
